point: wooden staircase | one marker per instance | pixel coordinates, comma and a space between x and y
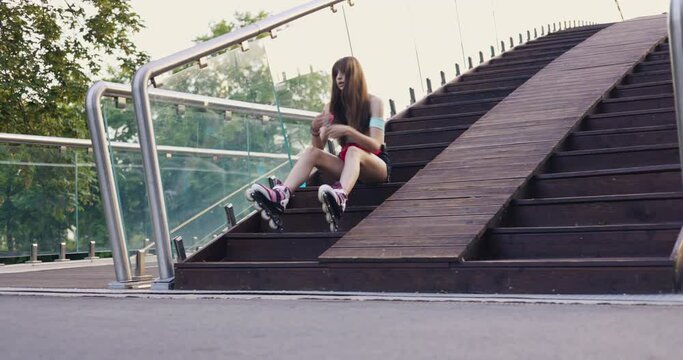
598, 216
610, 196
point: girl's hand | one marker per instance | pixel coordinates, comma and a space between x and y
336, 131
323, 119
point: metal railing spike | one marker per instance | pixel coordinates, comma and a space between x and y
443, 78
230, 215
180, 248
469, 62
412, 95
392, 107
457, 69
429, 85
481, 57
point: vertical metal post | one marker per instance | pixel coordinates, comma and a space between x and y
443, 78
512, 43
153, 184
528, 35
91, 252
34, 254
62, 252
502, 46
457, 69
676, 54
392, 107
140, 264
521, 39
469, 62
412, 95
554, 27
481, 57
429, 86
108, 191
535, 33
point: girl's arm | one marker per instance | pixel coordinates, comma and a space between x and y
318, 140
373, 142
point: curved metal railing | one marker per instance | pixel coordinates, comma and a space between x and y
676, 53
101, 150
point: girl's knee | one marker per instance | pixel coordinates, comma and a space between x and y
311, 152
354, 153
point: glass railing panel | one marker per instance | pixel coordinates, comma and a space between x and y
90, 220
389, 59
477, 28
38, 199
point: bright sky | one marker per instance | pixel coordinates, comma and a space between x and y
417, 39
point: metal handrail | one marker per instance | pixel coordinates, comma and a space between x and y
676, 54
214, 103
85, 143
141, 102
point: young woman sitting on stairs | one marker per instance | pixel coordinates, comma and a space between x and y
355, 119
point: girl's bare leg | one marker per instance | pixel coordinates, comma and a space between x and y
310, 158
363, 165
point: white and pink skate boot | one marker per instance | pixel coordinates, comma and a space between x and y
270, 202
333, 199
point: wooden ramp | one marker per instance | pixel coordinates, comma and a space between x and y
446, 207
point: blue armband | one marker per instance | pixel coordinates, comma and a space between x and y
377, 123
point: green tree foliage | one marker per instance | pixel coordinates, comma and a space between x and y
50, 52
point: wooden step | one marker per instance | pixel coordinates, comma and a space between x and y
437, 121
544, 276
636, 103
647, 77
516, 66
658, 178
600, 139
423, 137
404, 171
499, 63
469, 84
474, 95
410, 153
632, 156
497, 74
658, 55
501, 60
653, 65
650, 117
312, 220
611, 241
454, 108
278, 246
653, 88
362, 195
595, 210
536, 51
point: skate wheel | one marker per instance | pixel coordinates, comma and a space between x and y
272, 224
328, 218
257, 206
249, 195
325, 208
333, 227
264, 215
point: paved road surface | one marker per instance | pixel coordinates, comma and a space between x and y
107, 328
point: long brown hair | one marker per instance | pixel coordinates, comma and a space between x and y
350, 106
